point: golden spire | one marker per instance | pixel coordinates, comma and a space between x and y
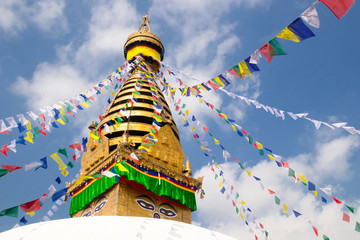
145, 24
145, 42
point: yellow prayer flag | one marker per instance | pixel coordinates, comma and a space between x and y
244, 69
58, 160
242, 216
183, 120
96, 138
233, 127
285, 208
28, 125
146, 149
248, 172
202, 147
61, 121
29, 137
220, 183
216, 141
242, 202
315, 193
225, 116
217, 80
187, 112
271, 157
121, 167
31, 213
259, 145
288, 35
64, 172
112, 93
158, 119
184, 92
153, 135
85, 104
102, 91
303, 178
200, 100
216, 165
192, 128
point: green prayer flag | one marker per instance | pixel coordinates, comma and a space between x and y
275, 48
3, 172
250, 140
183, 106
179, 113
116, 86
216, 176
68, 107
266, 233
237, 210
219, 111
325, 237
70, 165
106, 87
291, 172
210, 134
96, 175
36, 132
350, 208
88, 101
242, 167
305, 184
237, 70
119, 120
237, 195
66, 119
227, 121
277, 200
261, 152
357, 227
11, 212
63, 151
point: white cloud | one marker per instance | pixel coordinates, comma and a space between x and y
47, 15
217, 213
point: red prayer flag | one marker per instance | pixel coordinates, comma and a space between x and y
213, 85
10, 168
206, 129
265, 50
235, 159
31, 206
244, 132
316, 231
42, 132
76, 146
346, 217
233, 202
262, 226
285, 164
271, 191
233, 72
336, 200
255, 146
338, 7
212, 169
4, 150
232, 188
42, 116
211, 106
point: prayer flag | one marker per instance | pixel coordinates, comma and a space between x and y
336, 200
63, 151
23, 220
252, 67
57, 195
134, 157
311, 17
10, 168
346, 218
316, 231
11, 212
285, 208
275, 48
58, 180
311, 186
277, 200
296, 213
288, 35
351, 209
58, 160
300, 29
265, 50
31, 206
357, 227
121, 167
338, 7
216, 141
326, 237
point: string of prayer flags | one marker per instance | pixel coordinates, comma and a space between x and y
339, 7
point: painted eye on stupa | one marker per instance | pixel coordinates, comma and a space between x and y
145, 205
100, 204
87, 213
167, 212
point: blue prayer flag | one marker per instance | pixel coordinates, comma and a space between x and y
299, 28
59, 194
311, 186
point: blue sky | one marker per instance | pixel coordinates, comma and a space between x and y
53, 50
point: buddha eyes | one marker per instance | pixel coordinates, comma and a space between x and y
87, 213
167, 212
145, 205
100, 206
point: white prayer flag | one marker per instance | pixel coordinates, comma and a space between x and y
109, 174
46, 218
32, 115
12, 122
293, 116
12, 146
311, 16
107, 128
22, 119
340, 124
32, 165
326, 190
50, 213
255, 57
54, 208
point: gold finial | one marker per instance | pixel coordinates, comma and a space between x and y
188, 171
145, 24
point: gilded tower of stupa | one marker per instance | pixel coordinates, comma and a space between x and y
153, 183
